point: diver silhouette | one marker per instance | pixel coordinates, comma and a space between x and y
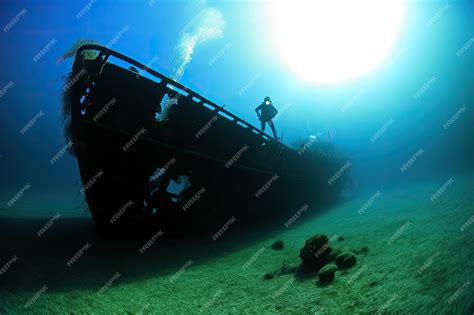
265, 112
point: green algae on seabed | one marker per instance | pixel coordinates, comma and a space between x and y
422, 269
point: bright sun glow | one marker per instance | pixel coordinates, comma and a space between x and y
333, 41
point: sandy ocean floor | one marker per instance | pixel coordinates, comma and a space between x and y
419, 260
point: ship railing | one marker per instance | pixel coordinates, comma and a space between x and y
106, 52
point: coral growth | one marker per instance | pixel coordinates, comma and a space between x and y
315, 253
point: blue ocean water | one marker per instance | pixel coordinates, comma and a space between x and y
407, 121
220, 68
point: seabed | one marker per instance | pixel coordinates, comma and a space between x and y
419, 260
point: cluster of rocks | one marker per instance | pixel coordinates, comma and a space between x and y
319, 256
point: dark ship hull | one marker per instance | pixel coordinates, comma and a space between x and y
235, 174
